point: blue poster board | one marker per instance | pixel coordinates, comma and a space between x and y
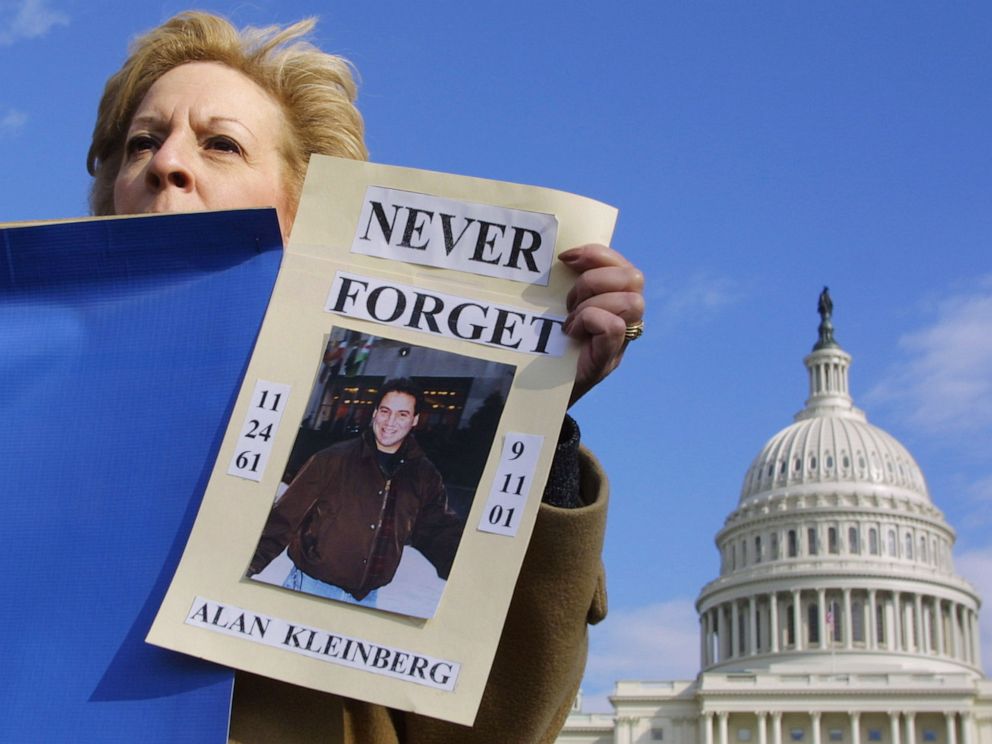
122, 348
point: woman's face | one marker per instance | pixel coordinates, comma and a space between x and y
204, 137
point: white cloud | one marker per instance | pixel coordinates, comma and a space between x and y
944, 383
28, 19
696, 296
656, 642
12, 122
978, 507
976, 567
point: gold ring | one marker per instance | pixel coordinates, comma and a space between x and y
634, 331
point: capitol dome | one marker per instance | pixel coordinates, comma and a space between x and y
835, 550
831, 444
837, 615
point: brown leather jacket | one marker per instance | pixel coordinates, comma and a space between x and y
332, 513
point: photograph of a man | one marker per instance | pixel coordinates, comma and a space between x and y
350, 511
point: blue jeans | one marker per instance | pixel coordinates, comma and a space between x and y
303, 582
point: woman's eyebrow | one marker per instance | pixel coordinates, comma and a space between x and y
231, 120
146, 120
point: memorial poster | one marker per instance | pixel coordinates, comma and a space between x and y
372, 500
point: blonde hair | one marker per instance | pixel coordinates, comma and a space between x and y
316, 91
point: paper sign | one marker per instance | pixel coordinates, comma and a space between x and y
423, 396
476, 238
512, 485
393, 303
324, 645
258, 431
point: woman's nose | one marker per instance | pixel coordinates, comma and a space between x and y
170, 167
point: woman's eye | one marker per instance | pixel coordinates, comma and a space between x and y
141, 143
224, 144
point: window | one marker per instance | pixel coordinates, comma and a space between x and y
757, 549
790, 625
797, 734
835, 735
929, 735
874, 734
835, 617
853, 540
743, 734
923, 549
774, 546
858, 622
892, 543
811, 540
909, 546
793, 544
833, 544
873, 541
743, 553
741, 634
813, 619
880, 623
657, 734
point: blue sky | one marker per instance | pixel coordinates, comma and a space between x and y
757, 151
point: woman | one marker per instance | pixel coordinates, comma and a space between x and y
204, 117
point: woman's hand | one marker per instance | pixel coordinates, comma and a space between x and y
608, 296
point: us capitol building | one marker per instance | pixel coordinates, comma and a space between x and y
837, 615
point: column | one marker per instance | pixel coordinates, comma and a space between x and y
815, 719
621, 731
975, 650
950, 719
855, 719
955, 631
752, 635
762, 727
706, 723
735, 626
722, 717
703, 639
777, 727
821, 614
938, 617
849, 621
965, 634
967, 732
909, 634
719, 634
773, 620
871, 627
896, 622
797, 619
910, 718
894, 726
918, 625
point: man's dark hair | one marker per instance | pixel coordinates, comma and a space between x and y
401, 385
